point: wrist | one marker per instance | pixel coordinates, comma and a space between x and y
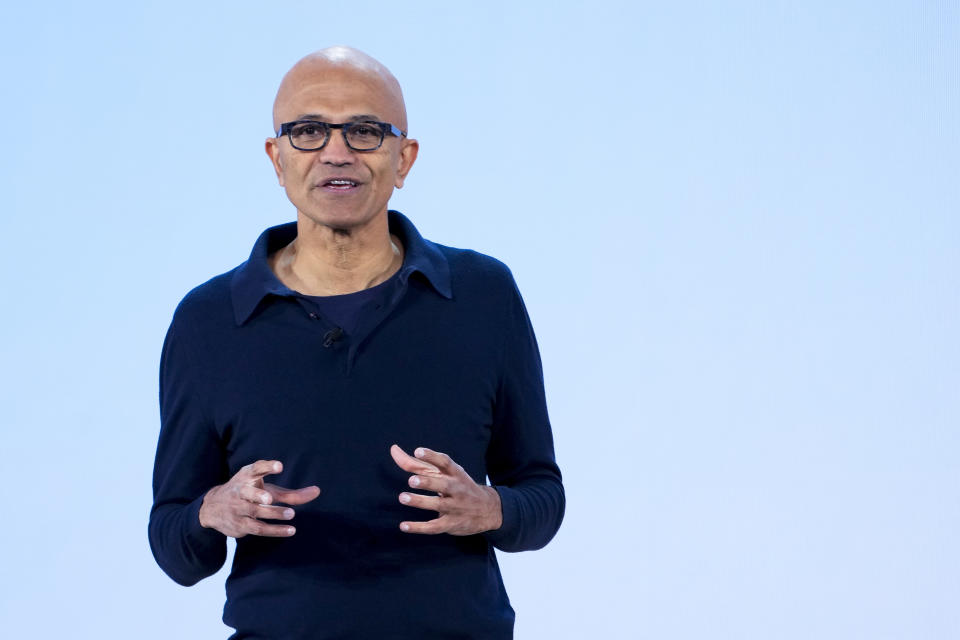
203, 511
495, 520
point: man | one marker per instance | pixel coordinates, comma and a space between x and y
345, 342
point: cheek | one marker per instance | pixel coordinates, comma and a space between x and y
295, 175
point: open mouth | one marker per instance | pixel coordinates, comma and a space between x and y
339, 184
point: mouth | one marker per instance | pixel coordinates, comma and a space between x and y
339, 185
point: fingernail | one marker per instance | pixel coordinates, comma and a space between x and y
276, 467
414, 481
288, 513
419, 452
291, 531
265, 498
404, 527
404, 498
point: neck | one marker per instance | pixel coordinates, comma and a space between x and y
324, 261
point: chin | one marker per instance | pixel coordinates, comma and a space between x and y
345, 221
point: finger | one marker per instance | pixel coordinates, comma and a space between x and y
430, 527
440, 460
409, 463
436, 484
260, 468
261, 512
254, 527
431, 503
292, 496
254, 494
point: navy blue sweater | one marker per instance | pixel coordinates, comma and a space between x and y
447, 360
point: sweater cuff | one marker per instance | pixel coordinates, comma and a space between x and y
199, 538
504, 537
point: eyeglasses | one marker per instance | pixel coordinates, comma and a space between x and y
313, 135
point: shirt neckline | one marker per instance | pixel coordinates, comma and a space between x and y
253, 281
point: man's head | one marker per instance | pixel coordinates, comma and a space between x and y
337, 186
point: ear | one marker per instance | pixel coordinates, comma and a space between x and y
272, 147
408, 155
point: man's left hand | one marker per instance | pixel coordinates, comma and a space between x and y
464, 507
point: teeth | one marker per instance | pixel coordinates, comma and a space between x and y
341, 182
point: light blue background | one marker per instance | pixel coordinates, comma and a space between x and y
736, 226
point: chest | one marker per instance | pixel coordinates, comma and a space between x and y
423, 376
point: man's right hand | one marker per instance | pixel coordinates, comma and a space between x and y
236, 508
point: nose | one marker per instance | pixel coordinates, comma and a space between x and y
336, 151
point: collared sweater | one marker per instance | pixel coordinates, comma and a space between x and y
446, 359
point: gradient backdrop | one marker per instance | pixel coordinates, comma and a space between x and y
736, 226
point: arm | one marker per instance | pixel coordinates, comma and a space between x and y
189, 461
520, 458
524, 508
195, 505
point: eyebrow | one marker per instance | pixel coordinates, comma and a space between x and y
365, 117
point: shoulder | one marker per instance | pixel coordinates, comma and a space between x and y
207, 303
471, 269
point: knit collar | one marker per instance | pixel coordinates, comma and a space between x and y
254, 280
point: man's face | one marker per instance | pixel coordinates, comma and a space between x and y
336, 186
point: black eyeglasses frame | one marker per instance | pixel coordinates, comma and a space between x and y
385, 129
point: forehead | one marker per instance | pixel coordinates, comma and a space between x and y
336, 93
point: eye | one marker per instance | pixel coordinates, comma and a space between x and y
307, 129
364, 130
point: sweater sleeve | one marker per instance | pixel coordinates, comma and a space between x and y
520, 457
189, 462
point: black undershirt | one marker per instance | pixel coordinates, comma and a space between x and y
345, 310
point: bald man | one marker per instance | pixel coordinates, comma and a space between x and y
377, 380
